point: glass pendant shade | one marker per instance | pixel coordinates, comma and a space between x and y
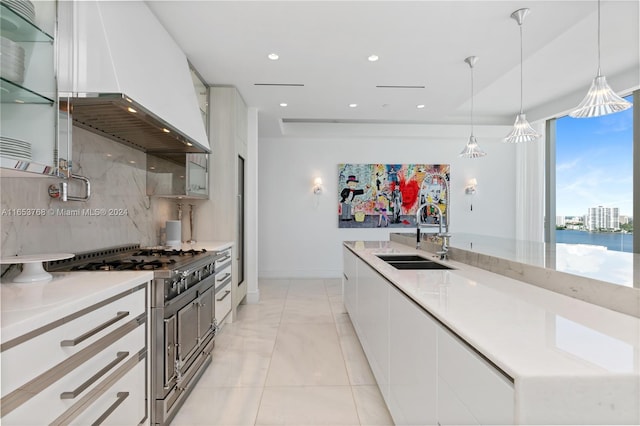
600, 100
522, 131
472, 150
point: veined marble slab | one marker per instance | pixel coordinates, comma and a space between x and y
572, 362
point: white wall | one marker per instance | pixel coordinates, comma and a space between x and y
298, 231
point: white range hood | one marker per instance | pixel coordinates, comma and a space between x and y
126, 78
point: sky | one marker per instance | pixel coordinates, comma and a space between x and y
594, 163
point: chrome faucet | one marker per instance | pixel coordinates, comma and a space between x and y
444, 248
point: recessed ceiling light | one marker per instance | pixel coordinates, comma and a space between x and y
132, 162
353, 105
420, 106
273, 56
373, 58
283, 104
164, 129
131, 110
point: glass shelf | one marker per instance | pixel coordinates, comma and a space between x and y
16, 28
14, 93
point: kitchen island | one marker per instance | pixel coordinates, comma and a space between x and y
479, 347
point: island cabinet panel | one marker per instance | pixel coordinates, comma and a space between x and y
350, 281
427, 375
451, 411
373, 322
413, 363
487, 393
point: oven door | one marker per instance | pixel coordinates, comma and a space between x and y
206, 314
187, 332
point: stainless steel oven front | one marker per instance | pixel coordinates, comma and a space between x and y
183, 329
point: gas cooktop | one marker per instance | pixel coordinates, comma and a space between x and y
132, 258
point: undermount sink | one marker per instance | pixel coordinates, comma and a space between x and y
410, 261
402, 258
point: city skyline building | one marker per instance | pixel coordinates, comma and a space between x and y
600, 217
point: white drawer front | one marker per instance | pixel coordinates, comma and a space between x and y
222, 276
48, 404
129, 411
223, 302
45, 351
487, 394
226, 258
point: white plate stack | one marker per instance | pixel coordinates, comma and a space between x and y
15, 148
23, 8
11, 61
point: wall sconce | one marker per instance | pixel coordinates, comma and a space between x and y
317, 186
471, 186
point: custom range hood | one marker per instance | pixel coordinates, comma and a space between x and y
123, 120
123, 76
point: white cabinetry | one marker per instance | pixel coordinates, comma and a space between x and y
29, 101
487, 395
373, 321
84, 367
425, 373
228, 130
223, 286
413, 392
350, 282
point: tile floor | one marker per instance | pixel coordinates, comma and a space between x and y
292, 359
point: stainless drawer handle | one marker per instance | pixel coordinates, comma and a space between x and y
95, 331
224, 258
227, 275
121, 396
71, 395
226, 293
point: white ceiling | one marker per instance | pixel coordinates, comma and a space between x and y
324, 46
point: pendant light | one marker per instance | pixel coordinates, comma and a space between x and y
600, 99
522, 130
472, 150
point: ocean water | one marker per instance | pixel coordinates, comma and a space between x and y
612, 240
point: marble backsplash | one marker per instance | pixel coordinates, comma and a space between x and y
122, 213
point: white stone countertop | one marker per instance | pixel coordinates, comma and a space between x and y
27, 306
560, 351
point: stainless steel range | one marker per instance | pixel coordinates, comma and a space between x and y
182, 306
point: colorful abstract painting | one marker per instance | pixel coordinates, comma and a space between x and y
388, 195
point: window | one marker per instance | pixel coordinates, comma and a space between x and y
594, 180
